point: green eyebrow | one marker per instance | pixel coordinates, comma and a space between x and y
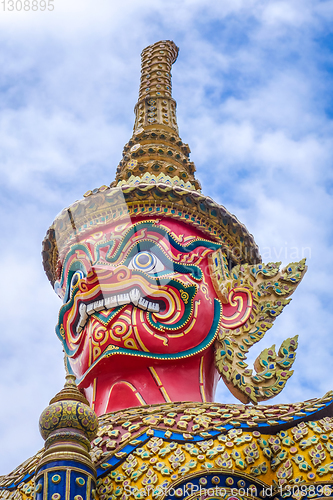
147, 244
157, 229
77, 265
143, 245
173, 266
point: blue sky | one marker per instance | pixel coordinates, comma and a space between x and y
253, 83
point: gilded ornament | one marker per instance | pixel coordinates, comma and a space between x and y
68, 414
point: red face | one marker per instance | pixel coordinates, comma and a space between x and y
141, 288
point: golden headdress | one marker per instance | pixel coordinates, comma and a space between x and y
155, 177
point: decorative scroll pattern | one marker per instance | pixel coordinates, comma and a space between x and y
130, 452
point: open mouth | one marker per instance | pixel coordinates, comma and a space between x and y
134, 297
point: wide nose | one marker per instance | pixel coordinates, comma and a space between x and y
109, 274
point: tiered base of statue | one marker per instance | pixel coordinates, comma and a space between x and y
205, 451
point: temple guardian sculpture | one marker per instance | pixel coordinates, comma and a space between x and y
164, 292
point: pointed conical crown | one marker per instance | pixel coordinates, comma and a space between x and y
67, 425
68, 409
155, 146
155, 178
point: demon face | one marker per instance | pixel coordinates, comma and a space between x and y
142, 289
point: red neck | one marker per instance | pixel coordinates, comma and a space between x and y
192, 379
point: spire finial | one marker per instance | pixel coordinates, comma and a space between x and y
156, 153
68, 425
155, 103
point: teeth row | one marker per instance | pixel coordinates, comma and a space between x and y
133, 297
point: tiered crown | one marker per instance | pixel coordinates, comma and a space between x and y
155, 177
155, 146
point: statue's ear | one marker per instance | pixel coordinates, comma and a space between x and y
220, 275
253, 295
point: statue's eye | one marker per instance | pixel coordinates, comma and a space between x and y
77, 276
147, 262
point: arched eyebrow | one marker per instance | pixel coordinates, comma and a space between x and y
114, 251
78, 247
113, 254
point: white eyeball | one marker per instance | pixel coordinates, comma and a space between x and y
147, 262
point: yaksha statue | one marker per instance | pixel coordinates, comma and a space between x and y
157, 280
163, 293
